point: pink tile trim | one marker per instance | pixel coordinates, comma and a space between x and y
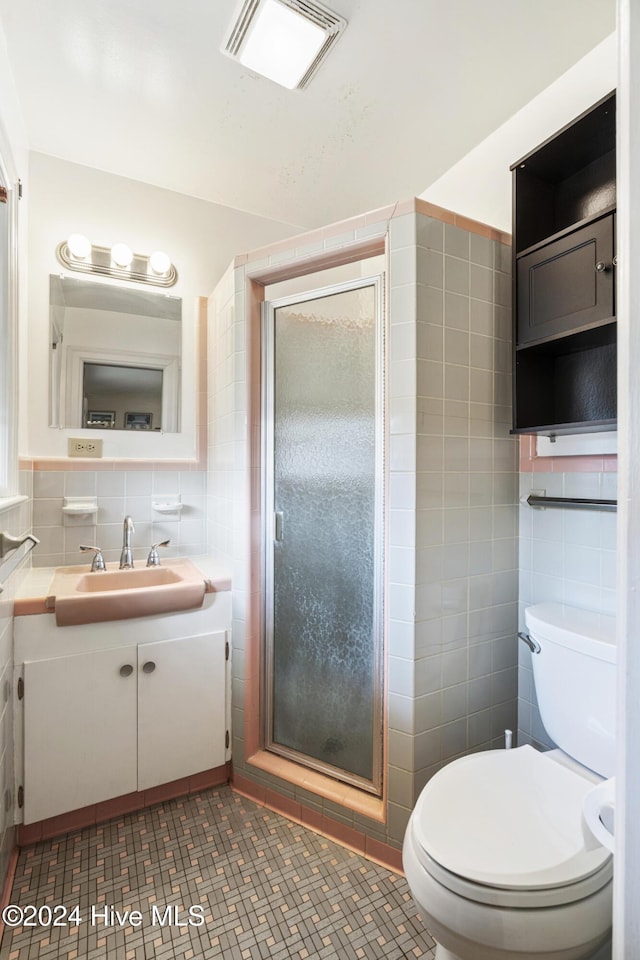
311, 818
337, 256
285, 805
109, 809
68, 822
29, 833
8, 882
457, 220
382, 215
352, 799
382, 853
296, 241
530, 463
166, 791
347, 836
72, 463
29, 606
210, 778
247, 788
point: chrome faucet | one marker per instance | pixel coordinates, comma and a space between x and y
126, 557
97, 564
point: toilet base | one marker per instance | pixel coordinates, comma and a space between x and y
443, 954
474, 930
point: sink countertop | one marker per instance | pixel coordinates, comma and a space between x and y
35, 584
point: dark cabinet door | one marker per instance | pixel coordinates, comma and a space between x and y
567, 284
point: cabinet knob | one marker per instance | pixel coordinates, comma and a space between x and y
126, 670
601, 266
149, 667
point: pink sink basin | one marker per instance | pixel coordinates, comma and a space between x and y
81, 597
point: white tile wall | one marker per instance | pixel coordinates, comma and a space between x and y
119, 493
566, 556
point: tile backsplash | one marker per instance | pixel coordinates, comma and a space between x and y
118, 492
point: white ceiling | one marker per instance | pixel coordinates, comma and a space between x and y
140, 88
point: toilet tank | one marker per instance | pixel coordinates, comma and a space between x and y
575, 680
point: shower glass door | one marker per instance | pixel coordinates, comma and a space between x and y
323, 482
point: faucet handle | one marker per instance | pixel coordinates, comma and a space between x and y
153, 560
98, 560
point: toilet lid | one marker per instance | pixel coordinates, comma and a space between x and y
508, 818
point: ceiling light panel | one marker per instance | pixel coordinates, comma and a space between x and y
284, 40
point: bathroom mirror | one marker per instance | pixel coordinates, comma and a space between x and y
115, 357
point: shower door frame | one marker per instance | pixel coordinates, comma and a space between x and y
269, 521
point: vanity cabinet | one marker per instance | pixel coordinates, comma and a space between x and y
79, 731
113, 718
181, 717
564, 357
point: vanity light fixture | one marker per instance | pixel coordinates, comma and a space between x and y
118, 261
79, 246
121, 255
160, 263
284, 40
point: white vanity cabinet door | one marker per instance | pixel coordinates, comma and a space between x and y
79, 730
181, 708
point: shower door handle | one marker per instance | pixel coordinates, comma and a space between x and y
278, 523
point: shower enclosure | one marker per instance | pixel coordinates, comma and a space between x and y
323, 481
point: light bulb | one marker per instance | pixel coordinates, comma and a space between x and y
160, 263
121, 254
79, 246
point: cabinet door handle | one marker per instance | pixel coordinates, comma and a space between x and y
149, 667
126, 670
601, 266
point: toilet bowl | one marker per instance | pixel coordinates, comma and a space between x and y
501, 865
497, 854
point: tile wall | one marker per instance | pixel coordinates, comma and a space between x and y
119, 492
16, 521
452, 605
224, 352
453, 519
566, 556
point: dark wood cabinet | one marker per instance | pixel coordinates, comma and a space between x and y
566, 285
564, 358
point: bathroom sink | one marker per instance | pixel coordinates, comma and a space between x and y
78, 596
127, 579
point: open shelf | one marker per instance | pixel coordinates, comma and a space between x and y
568, 179
567, 383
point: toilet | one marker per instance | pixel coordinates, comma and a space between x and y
497, 853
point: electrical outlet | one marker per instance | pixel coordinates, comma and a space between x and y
81, 447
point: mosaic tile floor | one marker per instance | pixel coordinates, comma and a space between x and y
259, 888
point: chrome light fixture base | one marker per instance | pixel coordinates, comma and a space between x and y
99, 261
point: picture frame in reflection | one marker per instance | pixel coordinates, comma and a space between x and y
106, 419
138, 421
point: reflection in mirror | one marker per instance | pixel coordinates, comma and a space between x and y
115, 357
127, 389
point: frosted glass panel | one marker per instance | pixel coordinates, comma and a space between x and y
324, 653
